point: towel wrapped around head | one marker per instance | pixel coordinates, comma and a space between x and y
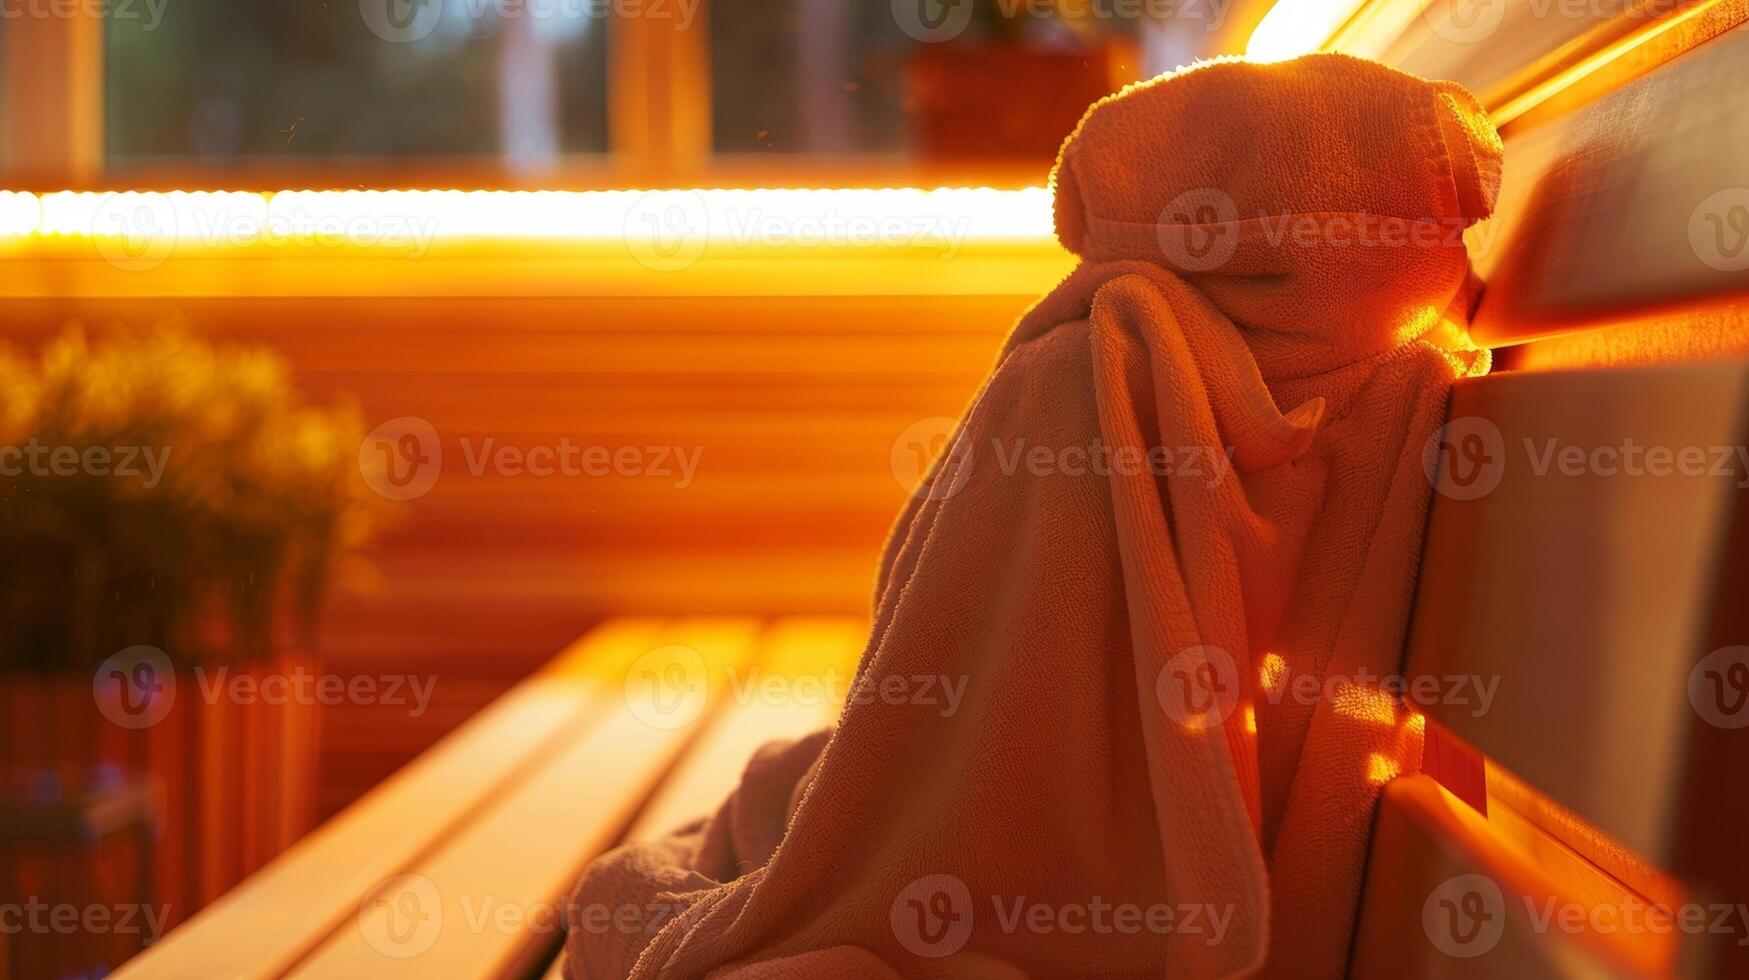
1172, 637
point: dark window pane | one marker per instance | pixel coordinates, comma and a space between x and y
220, 80
926, 79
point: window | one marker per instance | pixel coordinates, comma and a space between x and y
576, 93
219, 82
929, 79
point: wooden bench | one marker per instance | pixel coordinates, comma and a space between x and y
459, 864
1604, 778
1596, 784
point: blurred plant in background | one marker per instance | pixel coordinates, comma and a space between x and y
204, 511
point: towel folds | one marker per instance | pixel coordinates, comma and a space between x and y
1170, 551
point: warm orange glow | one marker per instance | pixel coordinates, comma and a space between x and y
1272, 672
1366, 704
1296, 27
1613, 62
1382, 769
1250, 720
1417, 723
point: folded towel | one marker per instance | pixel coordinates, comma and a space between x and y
1171, 602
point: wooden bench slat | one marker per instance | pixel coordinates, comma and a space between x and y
1450, 893
267, 923
796, 648
487, 902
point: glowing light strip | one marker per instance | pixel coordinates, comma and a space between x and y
1598, 60
1295, 27
836, 216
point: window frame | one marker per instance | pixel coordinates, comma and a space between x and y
658, 112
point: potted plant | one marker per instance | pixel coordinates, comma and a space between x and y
160, 492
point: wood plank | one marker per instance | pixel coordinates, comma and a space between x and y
1588, 598
51, 95
1533, 58
261, 928
1451, 894
486, 901
801, 652
804, 667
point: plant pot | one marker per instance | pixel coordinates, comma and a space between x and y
236, 780
1005, 98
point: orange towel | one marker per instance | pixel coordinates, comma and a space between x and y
1171, 602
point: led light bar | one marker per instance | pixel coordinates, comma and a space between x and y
774, 216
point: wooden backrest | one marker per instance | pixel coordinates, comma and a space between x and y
1587, 556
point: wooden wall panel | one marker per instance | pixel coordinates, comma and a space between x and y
794, 405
